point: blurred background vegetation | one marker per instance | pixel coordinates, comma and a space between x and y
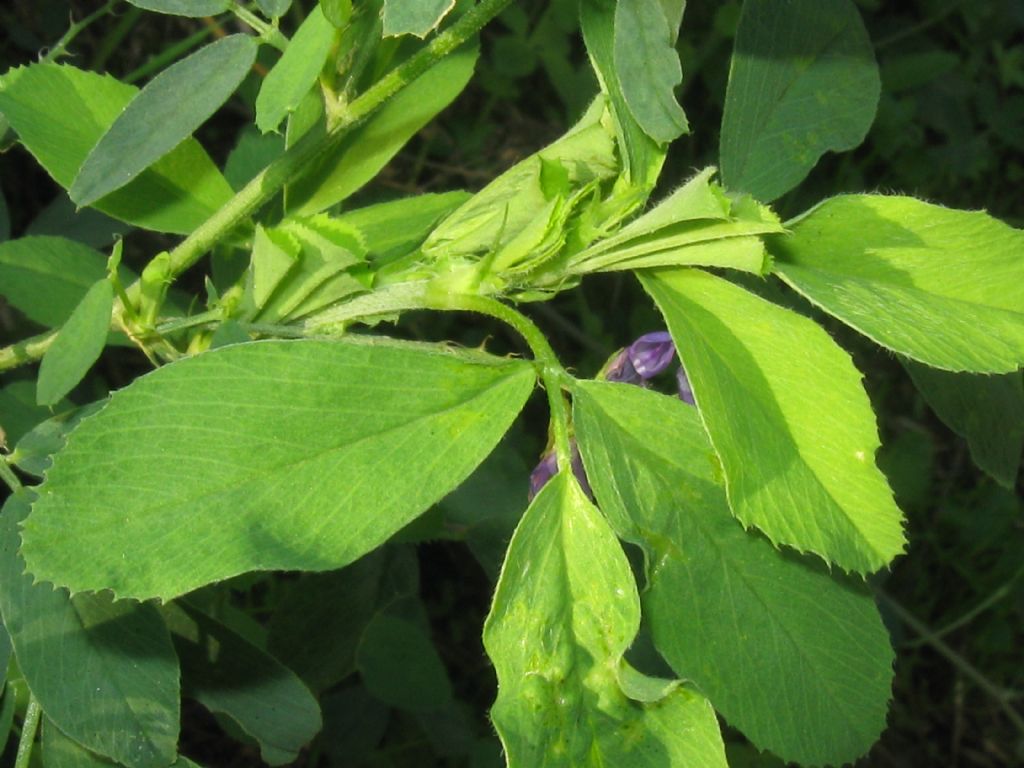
950, 129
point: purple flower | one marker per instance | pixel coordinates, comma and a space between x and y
644, 359
548, 468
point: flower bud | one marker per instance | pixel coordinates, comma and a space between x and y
644, 359
685, 390
548, 468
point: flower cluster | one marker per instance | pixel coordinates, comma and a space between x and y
637, 364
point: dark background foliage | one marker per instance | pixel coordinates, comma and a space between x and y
948, 129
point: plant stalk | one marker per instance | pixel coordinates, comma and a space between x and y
28, 733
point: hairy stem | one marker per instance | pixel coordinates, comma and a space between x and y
28, 733
26, 350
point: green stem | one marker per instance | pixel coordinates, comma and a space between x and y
29, 726
968, 670
552, 374
268, 32
74, 30
8, 476
26, 350
112, 41
295, 162
311, 151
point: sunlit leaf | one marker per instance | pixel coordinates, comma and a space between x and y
787, 413
940, 286
285, 454
796, 659
565, 610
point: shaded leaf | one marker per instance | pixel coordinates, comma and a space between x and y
103, 671
399, 665
19, 412
788, 415
988, 411
320, 617
163, 114
78, 345
193, 8
648, 69
229, 675
33, 452
247, 429
642, 157
176, 194
803, 81
565, 610
295, 72
274, 8
369, 147
797, 660
47, 277
420, 18
940, 286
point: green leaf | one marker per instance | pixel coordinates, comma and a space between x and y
78, 345
274, 254
399, 665
338, 12
565, 610
19, 412
103, 671
695, 225
193, 8
518, 201
274, 8
988, 411
940, 286
47, 277
803, 81
315, 629
303, 266
642, 157
797, 660
33, 452
229, 675
396, 228
295, 72
176, 194
163, 114
59, 751
284, 454
370, 146
252, 153
789, 418
648, 70
83, 225
419, 18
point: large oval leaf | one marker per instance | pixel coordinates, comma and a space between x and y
940, 286
163, 114
799, 661
279, 454
788, 415
104, 671
564, 612
803, 81
60, 112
